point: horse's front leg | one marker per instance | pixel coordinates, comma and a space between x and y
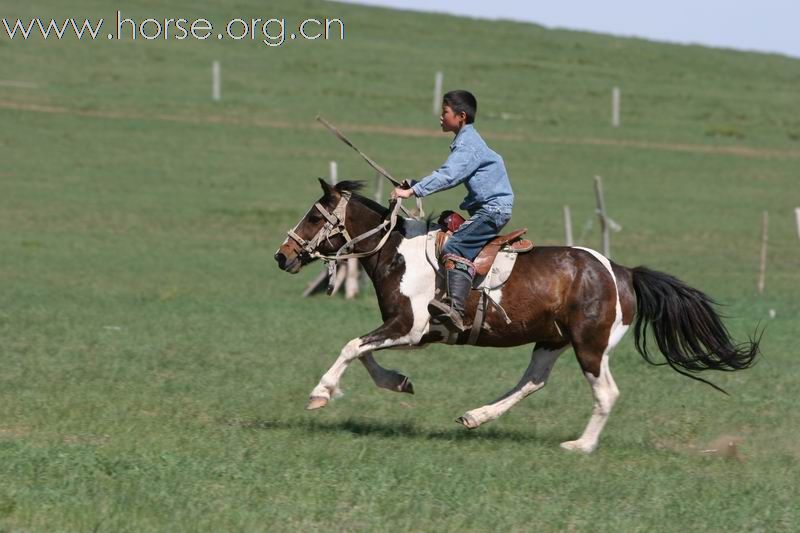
392, 333
384, 378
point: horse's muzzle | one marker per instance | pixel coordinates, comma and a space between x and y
292, 267
281, 259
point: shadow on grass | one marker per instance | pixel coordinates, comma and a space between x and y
364, 427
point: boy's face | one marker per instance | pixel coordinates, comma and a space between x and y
451, 121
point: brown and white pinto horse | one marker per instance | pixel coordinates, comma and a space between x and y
555, 297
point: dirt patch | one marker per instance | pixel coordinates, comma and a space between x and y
94, 440
738, 151
14, 432
725, 446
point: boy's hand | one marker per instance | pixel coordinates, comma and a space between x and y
399, 192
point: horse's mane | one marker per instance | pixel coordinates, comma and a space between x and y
353, 187
349, 186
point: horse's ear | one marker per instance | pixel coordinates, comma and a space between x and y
326, 188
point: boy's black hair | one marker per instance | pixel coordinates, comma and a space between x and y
462, 101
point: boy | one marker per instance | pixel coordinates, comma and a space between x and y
489, 201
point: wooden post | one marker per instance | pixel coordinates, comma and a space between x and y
568, 225
601, 213
347, 272
351, 285
762, 271
437, 93
379, 188
216, 81
334, 173
318, 284
797, 216
615, 103
341, 275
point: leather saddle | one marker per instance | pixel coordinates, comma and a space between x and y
450, 221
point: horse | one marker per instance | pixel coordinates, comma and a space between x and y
555, 297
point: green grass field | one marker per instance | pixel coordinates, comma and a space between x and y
155, 362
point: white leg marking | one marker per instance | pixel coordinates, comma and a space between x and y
605, 393
328, 386
535, 378
604, 389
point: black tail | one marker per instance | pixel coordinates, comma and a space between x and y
689, 333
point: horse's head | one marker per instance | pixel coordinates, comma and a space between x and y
321, 232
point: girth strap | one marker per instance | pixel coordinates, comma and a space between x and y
480, 315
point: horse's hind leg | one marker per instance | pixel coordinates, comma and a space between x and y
542, 360
593, 359
384, 378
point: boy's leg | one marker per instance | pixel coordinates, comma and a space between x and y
458, 273
457, 256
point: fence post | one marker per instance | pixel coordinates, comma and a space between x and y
437, 93
762, 271
216, 81
341, 275
320, 283
349, 274
351, 285
601, 213
334, 173
615, 104
379, 188
797, 216
568, 225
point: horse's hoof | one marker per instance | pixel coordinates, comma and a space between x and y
316, 402
577, 446
467, 421
406, 386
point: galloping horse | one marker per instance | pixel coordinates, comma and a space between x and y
555, 297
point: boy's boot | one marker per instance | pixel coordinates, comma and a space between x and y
458, 282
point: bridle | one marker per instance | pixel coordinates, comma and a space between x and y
335, 225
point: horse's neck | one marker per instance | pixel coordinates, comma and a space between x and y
360, 220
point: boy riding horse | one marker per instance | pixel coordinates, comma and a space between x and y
489, 202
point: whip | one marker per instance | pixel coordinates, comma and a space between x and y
382, 171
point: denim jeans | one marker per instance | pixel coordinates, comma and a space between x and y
473, 234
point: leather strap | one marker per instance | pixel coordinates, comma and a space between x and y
335, 225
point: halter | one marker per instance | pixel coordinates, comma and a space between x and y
335, 226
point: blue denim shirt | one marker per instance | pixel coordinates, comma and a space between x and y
477, 166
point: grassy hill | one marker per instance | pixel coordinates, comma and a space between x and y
155, 362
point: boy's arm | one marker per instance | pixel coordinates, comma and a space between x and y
462, 163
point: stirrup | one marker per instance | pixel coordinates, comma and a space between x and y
449, 321
437, 308
448, 317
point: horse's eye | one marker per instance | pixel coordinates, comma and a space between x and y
314, 218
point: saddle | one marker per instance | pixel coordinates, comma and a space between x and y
450, 221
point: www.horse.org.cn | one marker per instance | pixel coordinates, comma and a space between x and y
270, 31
